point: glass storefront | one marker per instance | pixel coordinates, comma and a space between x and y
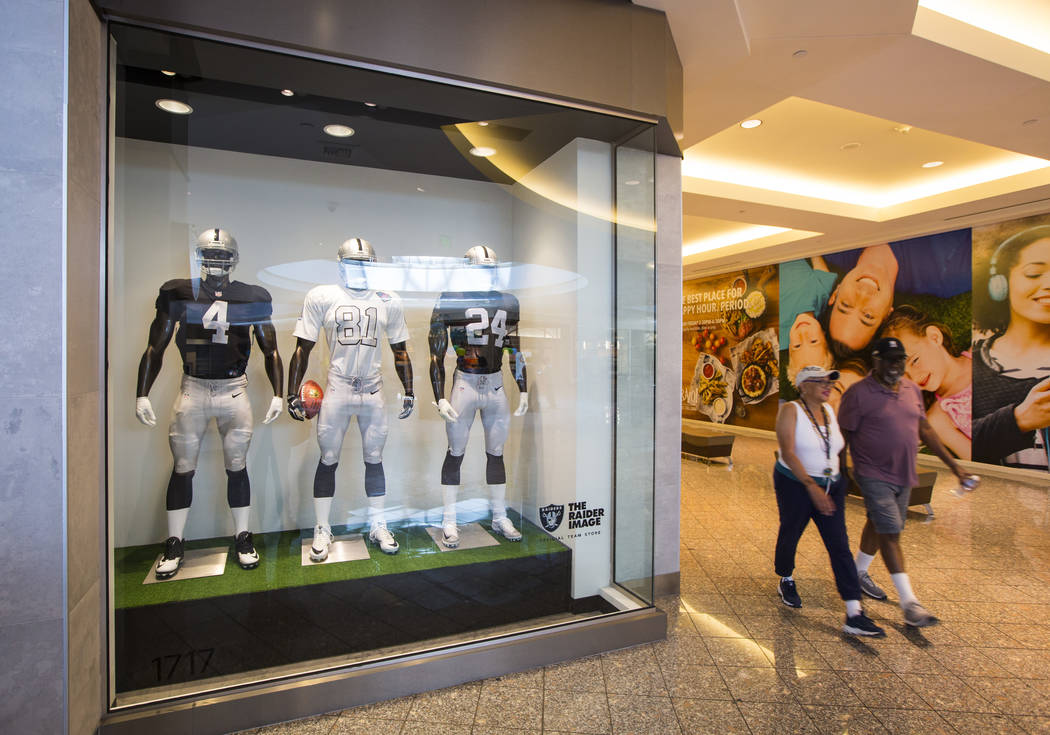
392, 347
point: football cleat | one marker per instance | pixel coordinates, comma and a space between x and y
172, 559
322, 540
381, 537
506, 529
450, 535
247, 557
217, 252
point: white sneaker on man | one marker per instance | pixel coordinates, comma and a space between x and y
322, 540
449, 535
381, 537
172, 559
506, 529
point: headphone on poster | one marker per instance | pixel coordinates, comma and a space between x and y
998, 285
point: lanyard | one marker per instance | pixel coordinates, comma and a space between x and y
825, 436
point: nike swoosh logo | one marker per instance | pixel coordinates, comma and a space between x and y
235, 395
499, 387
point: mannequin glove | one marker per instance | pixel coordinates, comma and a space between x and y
406, 407
295, 408
446, 411
523, 405
276, 406
144, 411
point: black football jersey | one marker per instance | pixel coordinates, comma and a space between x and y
479, 324
214, 326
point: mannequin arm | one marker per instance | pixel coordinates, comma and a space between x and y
160, 332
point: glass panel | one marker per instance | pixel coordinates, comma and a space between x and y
635, 362
283, 221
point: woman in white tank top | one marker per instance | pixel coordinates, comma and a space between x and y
810, 486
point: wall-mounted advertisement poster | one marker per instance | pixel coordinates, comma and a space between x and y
731, 348
1011, 334
919, 290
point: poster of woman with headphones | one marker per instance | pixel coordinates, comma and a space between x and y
1011, 356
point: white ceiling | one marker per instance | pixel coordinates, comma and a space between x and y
742, 57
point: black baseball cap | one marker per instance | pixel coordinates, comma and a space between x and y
888, 347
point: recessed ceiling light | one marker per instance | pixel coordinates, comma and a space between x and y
632, 182
287, 93
370, 104
420, 189
167, 73
902, 129
339, 131
174, 107
850, 146
800, 53
932, 164
482, 151
483, 124
679, 136
748, 124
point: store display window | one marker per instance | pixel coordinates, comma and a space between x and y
380, 360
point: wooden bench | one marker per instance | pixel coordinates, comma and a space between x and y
707, 446
921, 494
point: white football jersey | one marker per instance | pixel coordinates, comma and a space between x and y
353, 323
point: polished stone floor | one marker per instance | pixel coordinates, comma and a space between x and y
738, 661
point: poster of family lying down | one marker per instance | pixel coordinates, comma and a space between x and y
971, 306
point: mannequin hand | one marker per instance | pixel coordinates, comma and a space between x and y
276, 406
295, 408
523, 405
144, 411
406, 407
447, 412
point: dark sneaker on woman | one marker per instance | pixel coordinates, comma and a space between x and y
789, 594
862, 625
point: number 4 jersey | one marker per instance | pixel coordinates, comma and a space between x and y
479, 324
353, 323
215, 326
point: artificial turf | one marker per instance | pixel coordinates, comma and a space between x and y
280, 564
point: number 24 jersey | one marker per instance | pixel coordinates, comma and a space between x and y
481, 325
353, 323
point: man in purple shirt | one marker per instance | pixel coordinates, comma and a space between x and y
883, 419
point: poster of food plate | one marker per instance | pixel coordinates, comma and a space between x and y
731, 348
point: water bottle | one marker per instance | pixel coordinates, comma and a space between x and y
967, 485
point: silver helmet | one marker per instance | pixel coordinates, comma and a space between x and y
217, 252
481, 255
357, 249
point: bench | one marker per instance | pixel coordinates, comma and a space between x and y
921, 494
707, 446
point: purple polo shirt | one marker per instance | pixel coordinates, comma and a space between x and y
883, 428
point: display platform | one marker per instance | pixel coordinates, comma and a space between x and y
283, 612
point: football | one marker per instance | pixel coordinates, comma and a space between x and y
311, 395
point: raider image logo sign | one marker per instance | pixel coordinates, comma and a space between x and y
551, 517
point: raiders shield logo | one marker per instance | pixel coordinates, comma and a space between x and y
551, 517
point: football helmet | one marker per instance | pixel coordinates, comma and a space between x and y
481, 255
217, 252
357, 249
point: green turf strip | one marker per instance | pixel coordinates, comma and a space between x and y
280, 564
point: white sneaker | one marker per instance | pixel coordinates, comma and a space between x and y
381, 537
506, 529
450, 535
172, 559
322, 540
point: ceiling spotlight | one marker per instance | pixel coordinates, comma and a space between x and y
167, 73
339, 131
483, 124
932, 164
748, 124
370, 104
420, 189
482, 151
902, 129
679, 136
800, 53
850, 146
174, 107
287, 93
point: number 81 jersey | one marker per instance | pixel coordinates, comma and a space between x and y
215, 326
354, 322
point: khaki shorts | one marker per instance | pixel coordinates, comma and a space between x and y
887, 504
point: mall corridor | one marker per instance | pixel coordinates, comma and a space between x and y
736, 660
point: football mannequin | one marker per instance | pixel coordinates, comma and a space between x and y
213, 320
353, 318
482, 325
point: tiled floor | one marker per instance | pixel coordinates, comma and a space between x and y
737, 661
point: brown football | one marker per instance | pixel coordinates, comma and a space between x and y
311, 395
